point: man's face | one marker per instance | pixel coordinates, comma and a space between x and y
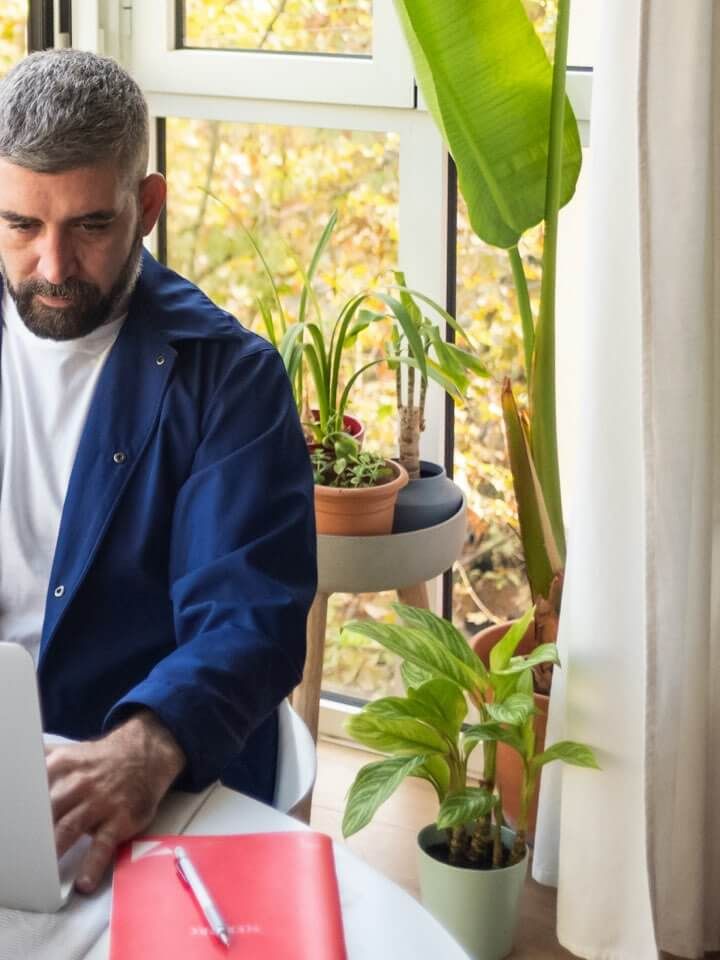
70, 244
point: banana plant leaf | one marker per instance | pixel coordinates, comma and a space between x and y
544, 555
487, 82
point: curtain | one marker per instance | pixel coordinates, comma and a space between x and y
635, 849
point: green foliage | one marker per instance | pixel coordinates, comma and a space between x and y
466, 805
502, 110
333, 26
569, 752
487, 82
373, 785
339, 462
426, 726
13, 33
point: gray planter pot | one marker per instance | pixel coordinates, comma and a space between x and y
428, 501
478, 907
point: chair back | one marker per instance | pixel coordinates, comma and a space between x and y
296, 760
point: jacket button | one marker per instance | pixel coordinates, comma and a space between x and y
119, 457
159, 359
59, 590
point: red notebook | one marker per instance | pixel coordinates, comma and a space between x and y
277, 892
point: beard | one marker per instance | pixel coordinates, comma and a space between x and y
89, 307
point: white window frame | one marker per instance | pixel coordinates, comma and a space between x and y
383, 79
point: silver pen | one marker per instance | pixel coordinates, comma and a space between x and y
191, 878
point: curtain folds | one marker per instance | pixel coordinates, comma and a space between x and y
635, 849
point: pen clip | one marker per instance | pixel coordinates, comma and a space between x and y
177, 857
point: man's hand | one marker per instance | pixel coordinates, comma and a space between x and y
110, 789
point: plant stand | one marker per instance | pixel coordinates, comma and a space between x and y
400, 561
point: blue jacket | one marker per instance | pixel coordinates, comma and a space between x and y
185, 561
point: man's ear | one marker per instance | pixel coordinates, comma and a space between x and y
153, 190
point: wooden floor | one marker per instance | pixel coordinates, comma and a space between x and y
388, 843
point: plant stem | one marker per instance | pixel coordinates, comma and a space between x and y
527, 791
542, 380
481, 841
457, 837
523, 299
497, 845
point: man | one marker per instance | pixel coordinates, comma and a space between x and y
156, 525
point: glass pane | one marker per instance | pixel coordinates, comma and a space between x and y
489, 579
13, 33
298, 26
281, 184
584, 16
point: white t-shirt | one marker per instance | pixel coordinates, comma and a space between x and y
45, 391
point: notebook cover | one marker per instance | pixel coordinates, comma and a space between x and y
277, 892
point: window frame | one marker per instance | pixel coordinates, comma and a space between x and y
327, 92
383, 80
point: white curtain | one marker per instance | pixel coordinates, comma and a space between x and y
635, 849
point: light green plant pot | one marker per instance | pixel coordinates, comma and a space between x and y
478, 907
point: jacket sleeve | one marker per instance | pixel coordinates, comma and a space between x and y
242, 572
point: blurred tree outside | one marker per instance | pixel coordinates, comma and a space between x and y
308, 26
13, 33
282, 183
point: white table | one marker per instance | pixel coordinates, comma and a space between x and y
382, 921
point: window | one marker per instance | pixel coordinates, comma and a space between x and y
281, 183
13, 33
489, 578
307, 53
275, 113
291, 26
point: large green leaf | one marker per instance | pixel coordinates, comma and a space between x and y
420, 648
505, 648
415, 708
436, 771
372, 787
459, 808
515, 710
545, 653
568, 751
413, 676
445, 702
395, 735
487, 82
543, 557
491, 733
444, 631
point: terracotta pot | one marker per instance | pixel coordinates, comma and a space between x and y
509, 765
359, 511
351, 425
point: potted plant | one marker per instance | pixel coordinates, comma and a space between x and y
502, 110
430, 497
472, 865
355, 490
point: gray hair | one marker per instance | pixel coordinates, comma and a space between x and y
63, 109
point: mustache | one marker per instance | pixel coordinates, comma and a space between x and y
70, 289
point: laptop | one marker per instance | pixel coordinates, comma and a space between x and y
30, 876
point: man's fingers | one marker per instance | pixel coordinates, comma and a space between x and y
96, 860
66, 793
71, 827
61, 760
